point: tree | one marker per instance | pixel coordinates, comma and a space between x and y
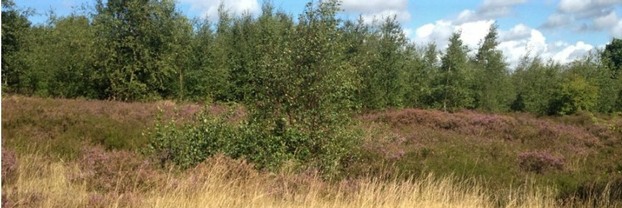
61, 58
303, 83
612, 59
15, 26
493, 89
575, 95
138, 43
387, 83
536, 84
612, 56
450, 91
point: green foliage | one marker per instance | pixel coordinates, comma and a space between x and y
492, 81
189, 144
451, 92
576, 95
312, 72
15, 27
383, 82
61, 58
612, 56
137, 47
535, 83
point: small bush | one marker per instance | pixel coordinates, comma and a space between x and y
540, 162
266, 145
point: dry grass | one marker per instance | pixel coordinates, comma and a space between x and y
224, 182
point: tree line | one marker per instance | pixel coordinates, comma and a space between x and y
280, 64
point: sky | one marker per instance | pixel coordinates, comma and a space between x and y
560, 30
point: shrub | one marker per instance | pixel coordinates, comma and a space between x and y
540, 162
267, 146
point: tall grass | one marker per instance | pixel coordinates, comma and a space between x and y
224, 182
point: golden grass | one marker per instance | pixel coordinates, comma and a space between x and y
223, 182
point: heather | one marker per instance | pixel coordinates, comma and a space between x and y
407, 157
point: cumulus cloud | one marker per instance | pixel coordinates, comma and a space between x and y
515, 43
585, 7
437, 32
371, 10
471, 33
521, 40
569, 52
490, 9
586, 15
374, 5
209, 8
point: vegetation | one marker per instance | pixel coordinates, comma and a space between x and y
96, 149
316, 111
146, 50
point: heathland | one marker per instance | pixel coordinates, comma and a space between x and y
77, 153
129, 103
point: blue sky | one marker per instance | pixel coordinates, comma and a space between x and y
562, 30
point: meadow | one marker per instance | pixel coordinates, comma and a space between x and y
86, 153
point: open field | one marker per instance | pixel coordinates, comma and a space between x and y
81, 153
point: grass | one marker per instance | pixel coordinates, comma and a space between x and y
83, 153
224, 182
567, 153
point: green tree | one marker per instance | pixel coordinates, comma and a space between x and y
64, 54
598, 75
197, 79
612, 56
493, 88
575, 95
536, 84
303, 82
450, 91
137, 46
612, 59
15, 26
385, 83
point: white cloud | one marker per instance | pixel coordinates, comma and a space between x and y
514, 43
606, 21
209, 8
437, 32
569, 6
374, 5
557, 20
521, 40
582, 6
401, 16
372, 10
616, 31
610, 22
471, 32
585, 15
501, 3
490, 9
474, 32
571, 52
518, 32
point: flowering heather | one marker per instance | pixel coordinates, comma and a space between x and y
9, 165
117, 170
540, 161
